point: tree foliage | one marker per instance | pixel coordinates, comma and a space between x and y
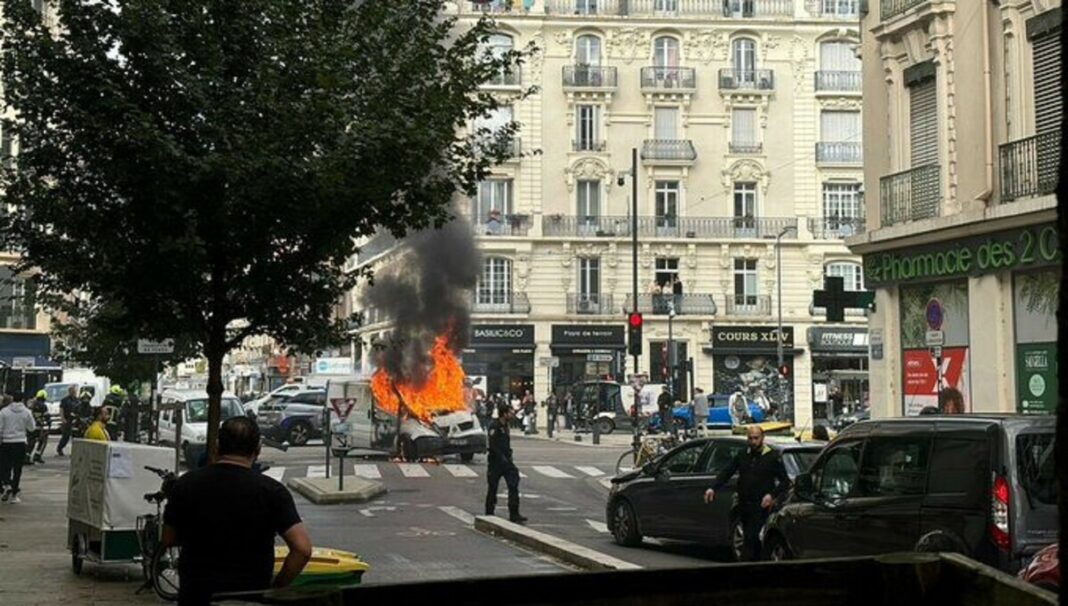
186, 164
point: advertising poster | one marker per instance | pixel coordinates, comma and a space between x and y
756, 376
921, 377
1036, 378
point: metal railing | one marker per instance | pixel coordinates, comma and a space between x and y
1030, 167
675, 150
500, 303
748, 305
841, 81
589, 76
746, 9
911, 195
509, 76
840, 152
590, 304
746, 148
590, 145
660, 78
892, 8
677, 8
619, 226
585, 7
511, 147
832, 228
746, 79
22, 317
685, 304
836, 9
501, 225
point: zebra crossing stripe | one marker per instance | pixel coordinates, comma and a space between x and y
413, 470
598, 526
316, 471
275, 473
606, 482
552, 472
460, 471
459, 514
593, 472
368, 471
523, 475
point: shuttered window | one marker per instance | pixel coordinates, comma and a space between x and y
838, 56
743, 127
923, 122
1046, 51
840, 127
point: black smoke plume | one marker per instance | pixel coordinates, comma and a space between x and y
426, 294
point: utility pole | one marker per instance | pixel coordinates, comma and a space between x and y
636, 442
778, 300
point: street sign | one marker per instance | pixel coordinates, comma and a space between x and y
935, 314
23, 362
599, 357
935, 338
549, 361
936, 351
144, 346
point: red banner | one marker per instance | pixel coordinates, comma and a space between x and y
921, 377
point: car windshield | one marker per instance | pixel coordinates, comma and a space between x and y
197, 410
57, 392
802, 459
1034, 461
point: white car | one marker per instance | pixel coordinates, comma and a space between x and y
194, 431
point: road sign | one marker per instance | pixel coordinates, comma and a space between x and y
935, 338
936, 351
144, 346
935, 314
599, 357
549, 361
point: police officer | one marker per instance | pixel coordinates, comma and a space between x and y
762, 480
501, 465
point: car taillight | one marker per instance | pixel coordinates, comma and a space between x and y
999, 513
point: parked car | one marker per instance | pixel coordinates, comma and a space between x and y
719, 415
194, 432
600, 404
288, 389
844, 421
980, 485
1044, 569
666, 497
293, 418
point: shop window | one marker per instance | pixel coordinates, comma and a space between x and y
1035, 298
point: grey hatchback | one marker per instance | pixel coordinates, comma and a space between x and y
666, 498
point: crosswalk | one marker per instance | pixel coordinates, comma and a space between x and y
425, 471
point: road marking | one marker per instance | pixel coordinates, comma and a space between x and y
459, 514
275, 473
606, 482
552, 472
368, 471
460, 471
413, 470
416, 532
561, 509
598, 526
593, 472
369, 511
522, 495
316, 471
523, 475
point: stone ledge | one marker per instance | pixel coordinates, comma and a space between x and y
558, 548
324, 491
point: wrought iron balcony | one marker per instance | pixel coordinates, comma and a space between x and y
590, 304
911, 195
498, 224
838, 9
838, 81
589, 76
669, 150
589, 145
746, 79
619, 226
510, 77
676, 8
748, 305
747, 9
893, 8
685, 304
833, 228
500, 303
586, 7
669, 78
1029, 167
840, 152
746, 148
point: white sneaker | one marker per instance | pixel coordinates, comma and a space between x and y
15, 500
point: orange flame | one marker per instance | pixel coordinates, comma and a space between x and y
442, 392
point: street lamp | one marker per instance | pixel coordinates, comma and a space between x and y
778, 286
671, 354
633, 172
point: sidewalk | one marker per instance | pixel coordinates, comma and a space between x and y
35, 565
616, 439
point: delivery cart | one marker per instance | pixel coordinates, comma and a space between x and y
105, 496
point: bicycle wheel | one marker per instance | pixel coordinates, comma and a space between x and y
625, 462
165, 573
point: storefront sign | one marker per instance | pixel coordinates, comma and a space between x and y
1014, 249
502, 335
921, 377
751, 337
600, 357
333, 366
1036, 378
579, 335
838, 339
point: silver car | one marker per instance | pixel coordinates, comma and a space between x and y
293, 418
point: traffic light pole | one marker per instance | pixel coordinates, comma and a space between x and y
636, 442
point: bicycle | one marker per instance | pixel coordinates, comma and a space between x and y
650, 449
159, 565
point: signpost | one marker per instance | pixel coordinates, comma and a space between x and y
935, 338
155, 348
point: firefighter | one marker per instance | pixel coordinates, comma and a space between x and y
501, 465
38, 439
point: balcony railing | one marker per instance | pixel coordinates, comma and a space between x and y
746, 9
500, 303
748, 305
669, 78
746, 148
892, 8
512, 147
838, 9
589, 145
589, 76
590, 304
619, 226
746, 79
840, 152
671, 150
832, 228
685, 304
20, 317
911, 195
586, 7
501, 225
838, 81
676, 8
510, 76
1030, 167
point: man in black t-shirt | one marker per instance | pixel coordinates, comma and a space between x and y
225, 517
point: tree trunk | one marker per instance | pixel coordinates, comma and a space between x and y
215, 353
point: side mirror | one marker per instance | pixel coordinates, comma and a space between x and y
803, 487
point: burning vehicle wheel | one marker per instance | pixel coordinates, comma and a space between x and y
407, 448
467, 457
625, 525
299, 434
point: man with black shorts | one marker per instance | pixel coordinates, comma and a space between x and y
225, 517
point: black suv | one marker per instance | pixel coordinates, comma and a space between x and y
980, 485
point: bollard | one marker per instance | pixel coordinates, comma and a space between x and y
550, 427
596, 433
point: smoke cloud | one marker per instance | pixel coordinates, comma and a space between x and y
426, 294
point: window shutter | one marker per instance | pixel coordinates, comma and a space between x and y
743, 126
1046, 51
923, 122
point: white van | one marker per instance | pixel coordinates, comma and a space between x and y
194, 436
364, 425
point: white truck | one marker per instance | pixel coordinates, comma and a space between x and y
82, 379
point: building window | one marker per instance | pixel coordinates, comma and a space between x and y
489, 126
743, 57
495, 285
499, 45
923, 122
588, 127
666, 52
666, 6
852, 274
838, 56
494, 204
745, 282
17, 301
666, 123
738, 8
667, 271
841, 201
589, 279
588, 50
745, 207
589, 198
743, 131
839, 127
667, 204
586, 7
1046, 66
840, 8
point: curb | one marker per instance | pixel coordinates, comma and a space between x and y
587, 440
323, 491
558, 548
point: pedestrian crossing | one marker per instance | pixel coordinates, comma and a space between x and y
388, 470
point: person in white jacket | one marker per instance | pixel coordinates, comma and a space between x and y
15, 422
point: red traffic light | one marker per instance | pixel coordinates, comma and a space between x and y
784, 370
634, 320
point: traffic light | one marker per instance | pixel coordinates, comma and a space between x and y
784, 371
634, 333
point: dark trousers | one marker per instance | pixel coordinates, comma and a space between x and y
12, 456
511, 478
753, 518
64, 436
36, 442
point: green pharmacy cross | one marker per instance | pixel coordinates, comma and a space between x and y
836, 299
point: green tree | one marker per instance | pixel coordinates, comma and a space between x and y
194, 165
